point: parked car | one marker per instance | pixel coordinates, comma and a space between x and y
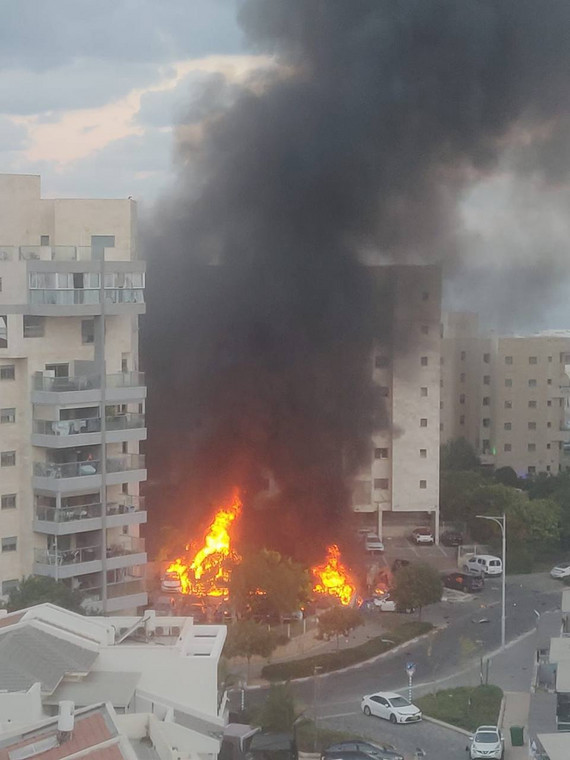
373, 544
562, 570
390, 706
398, 563
423, 536
487, 742
386, 603
171, 583
451, 538
483, 564
463, 582
366, 749
291, 617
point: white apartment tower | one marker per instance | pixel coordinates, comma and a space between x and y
71, 396
400, 488
507, 395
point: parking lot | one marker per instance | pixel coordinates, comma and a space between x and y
442, 557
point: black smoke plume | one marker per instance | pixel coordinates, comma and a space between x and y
379, 117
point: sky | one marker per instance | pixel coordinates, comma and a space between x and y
90, 92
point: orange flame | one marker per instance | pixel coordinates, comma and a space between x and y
205, 572
333, 578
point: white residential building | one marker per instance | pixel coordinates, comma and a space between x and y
71, 396
400, 488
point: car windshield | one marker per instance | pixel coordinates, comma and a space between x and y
563, 566
399, 702
486, 737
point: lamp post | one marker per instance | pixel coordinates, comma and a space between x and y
502, 523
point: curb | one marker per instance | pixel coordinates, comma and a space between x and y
443, 724
501, 712
377, 657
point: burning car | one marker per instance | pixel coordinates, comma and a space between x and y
171, 582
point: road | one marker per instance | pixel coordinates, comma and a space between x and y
449, 657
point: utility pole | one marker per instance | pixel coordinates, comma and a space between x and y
502, 523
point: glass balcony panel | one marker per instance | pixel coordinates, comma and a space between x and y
127, 545
67, 514
67, 470
125, 380
128, 421
64, 384
67, 556
67, 297
68, 427
127, 503
124, 295
125, 588
126, 462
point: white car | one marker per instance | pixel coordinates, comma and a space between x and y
423, 536
560, 571
386, 603
483, 564
373, 544
171, 583
488, 742
390, 706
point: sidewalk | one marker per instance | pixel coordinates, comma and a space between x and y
517, 705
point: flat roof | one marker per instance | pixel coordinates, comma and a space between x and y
566, 600
556, 746
563, 676
115, 687
559, 649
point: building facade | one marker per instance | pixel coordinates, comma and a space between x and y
399, 490
71, 397
507, 395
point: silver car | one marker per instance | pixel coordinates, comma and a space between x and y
486, 744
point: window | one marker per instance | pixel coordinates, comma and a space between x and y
8, 501
549, 424
44, 239
549, 359
508, 359
88, 331
486, 358
548, 446
486, 445
0, 284
99, 243
3, 331
486, 422
424, 361
531, 447
423, 422
532, 425
381, 484
423, 453
9, 543
508, 426
8, 415
380, 362
7, 586
463, 355
441, 361
532, 404
34, 327
486, 379
531, 470
8, 372
462, 377
549, 381
423, 391
384, 391
532, 383
423, 483
441, 427
486, 401
425, 329
533, 359
461, 398
380, 453
441, 404
549, 403
508, 382
462, 419
507, 447
508, 404
7, 459
425, 296
547, 468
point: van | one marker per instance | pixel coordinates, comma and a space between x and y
483, 564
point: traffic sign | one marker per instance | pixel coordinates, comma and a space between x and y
410, 668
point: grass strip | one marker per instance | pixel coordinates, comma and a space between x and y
329, 661
465, 706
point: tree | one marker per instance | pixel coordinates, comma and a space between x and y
39, 589
339, 621
458, 454
277, 713
247, 638
507, 477
283, 583
416, 586
456, 490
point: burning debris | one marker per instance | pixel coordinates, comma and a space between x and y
332, 578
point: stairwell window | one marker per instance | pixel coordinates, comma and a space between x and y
7, 459
8, 372
9, 543
7, 415
423, 453
423, 422
8, 501
34, 327
87, 331
380, 453
423, 483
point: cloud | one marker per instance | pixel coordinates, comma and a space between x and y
13, 136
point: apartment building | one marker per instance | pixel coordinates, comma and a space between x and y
399, 490
71, 396
507, 395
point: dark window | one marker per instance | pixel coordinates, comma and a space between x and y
462, 398
533, 359
508, 426
508, 404
423, 483
532, 383
486, 422
532, 425
549, 403
508, 383
463, 355
423, 391
531, 470
507, 447
423, 422
8, 501
381, 484
380, 453
34, 327
99, 243
531, 447
7, 459
7, 586
3, 331
532, 404
486, 358
423, 453
8, 372
7, 415
486, 401
9, 544
462, 419
486, 379
424, 361
44, 239
87, 331
508, 359
381, 361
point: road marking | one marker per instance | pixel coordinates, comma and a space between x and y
338, 715
442, 550
415, 551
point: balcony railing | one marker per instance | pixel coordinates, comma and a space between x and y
121, 463
114, 590
87, 382
128, 545
68, 556
126, 505
84, 296
66, 253
128, 421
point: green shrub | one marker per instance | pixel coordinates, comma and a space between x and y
329, 661
466, 707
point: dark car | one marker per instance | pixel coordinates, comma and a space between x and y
360, 750
398, 563
463, 582
451, 538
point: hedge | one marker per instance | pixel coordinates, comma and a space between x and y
465, 706
329, 661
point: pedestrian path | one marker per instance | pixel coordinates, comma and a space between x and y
515, 713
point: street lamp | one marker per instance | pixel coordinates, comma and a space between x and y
502, 523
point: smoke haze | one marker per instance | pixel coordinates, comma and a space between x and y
364, 139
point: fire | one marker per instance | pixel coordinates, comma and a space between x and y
204, 572
333, 578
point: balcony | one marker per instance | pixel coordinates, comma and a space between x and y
65, 253
80, 476
68, 563
123, 595
65, 302
67, 520
87, 431
119, 387
128, 553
